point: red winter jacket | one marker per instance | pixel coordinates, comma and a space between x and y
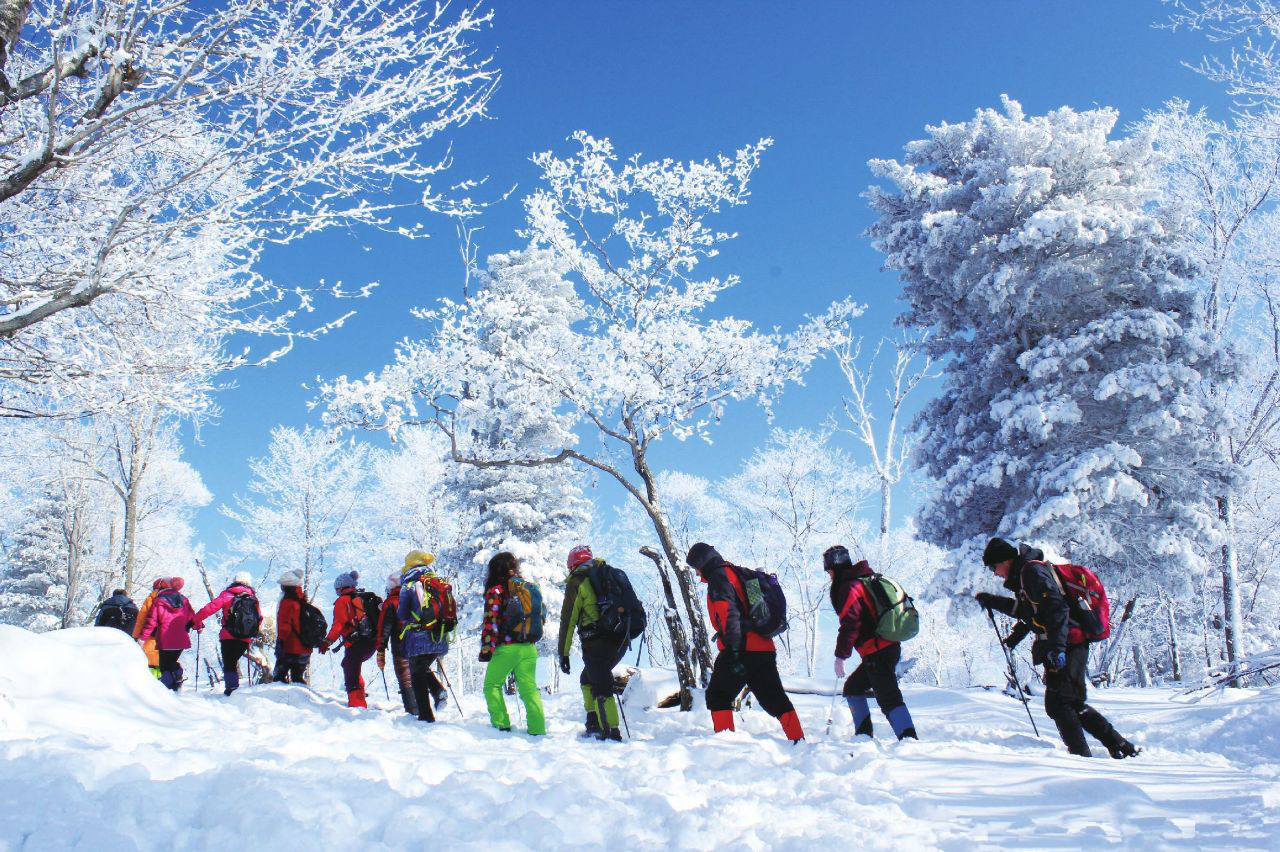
856, 613
347, 609
289, 622
726, 600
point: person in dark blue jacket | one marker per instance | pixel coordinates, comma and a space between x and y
422, 639
1041, 608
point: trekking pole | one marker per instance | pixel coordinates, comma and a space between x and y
639, 650
383, 672
831, 708
617, 699
449, 686
195, 687
1013, 673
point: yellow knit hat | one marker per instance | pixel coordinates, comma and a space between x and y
417, 557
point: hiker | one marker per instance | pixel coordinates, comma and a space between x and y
1041, 607
389, 627
348, 611
746, 658
117, 611
426, 612
292, 654
513, 619
877, 673
600, 653
169, 620
232, 645
149, 646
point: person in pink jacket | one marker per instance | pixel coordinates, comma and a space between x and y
233, 647
169, 621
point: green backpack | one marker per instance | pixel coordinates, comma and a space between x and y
895, 613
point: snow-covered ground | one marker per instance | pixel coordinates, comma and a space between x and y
95, 754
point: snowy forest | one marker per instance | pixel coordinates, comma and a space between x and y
1083, 353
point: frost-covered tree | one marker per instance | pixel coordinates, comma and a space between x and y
151, 150
1249, 28
33, 586
1076, 360
631, 356
301, 512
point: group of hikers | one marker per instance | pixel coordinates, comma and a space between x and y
418, 616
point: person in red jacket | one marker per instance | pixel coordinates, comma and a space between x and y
746, 658
877, 673
232, 647
292, 657
389, 628
347, 610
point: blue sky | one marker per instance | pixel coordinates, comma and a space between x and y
834, 84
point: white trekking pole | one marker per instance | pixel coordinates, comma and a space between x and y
831, 708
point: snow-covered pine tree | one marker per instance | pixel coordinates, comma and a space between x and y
1074, 409
33, 581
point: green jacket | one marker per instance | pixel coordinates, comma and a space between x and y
579, 609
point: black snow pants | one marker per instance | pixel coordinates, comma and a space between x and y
426, 686
1065, 693
877, 674
290, 668
760, 673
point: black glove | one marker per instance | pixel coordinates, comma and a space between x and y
485, 656
734, 664
987, 601
564, 664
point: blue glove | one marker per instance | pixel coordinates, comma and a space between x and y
1057, 660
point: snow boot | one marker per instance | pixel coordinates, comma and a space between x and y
612, 734
900, 721
861, 715
231, 679
441, 698
791, 726
721, 720
593, 726
1124, 749
355, 697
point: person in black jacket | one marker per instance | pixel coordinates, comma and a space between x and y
117, 611
1041, 608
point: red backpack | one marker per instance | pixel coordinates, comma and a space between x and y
1087, 597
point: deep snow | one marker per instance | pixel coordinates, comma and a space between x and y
95, 754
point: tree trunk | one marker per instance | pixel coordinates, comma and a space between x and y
886, 497
1175, 656
679, 644
1140, 665
1233, 628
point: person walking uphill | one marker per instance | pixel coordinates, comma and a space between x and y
389, 627
746, 658
427, 612
357, 629
1061, 643
292, 654
149, 646
513, 619
600, 653
877, 673
241, 617
169, 620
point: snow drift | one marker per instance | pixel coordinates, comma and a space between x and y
95, 754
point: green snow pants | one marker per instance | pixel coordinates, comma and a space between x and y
522, 658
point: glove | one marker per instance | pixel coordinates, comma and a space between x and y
564, 664
382, 659
734, 664
1057, 660
486, 656
839, 667
987, 601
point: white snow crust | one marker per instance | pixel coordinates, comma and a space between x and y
96, 754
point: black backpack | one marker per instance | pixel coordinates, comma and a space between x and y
312, 626
765, 610
243, 618
121, 616
622, 615
365, 626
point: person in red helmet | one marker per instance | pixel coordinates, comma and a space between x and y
600, 653
746, 658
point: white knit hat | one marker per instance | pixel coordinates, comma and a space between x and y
243, 578
291, 578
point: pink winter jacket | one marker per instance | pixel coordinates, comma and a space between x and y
169, 620
221, 604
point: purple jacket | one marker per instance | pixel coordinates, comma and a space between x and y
169, 620
222, 603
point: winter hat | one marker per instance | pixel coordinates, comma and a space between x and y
835, 557
346, 581
160, 583
578, 555
998, 550
242, 578
393, 580
414, 558
291, 578
702, 555
176, 583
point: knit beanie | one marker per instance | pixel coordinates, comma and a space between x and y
346, 580
393, 580
291, 578
415, 558
835, 557
998, 550
176, 583
701, 555
160, 583
242, 578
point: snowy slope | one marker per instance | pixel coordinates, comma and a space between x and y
94, 754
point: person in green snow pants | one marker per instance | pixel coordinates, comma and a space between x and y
503, 653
